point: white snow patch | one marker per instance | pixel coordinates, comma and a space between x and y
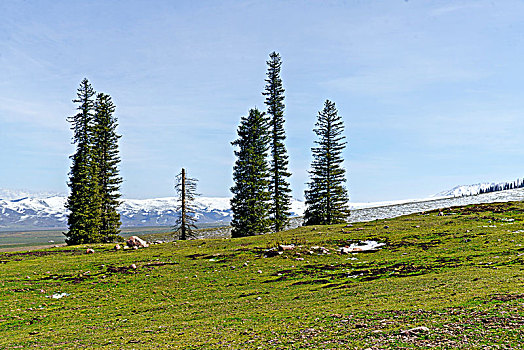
361, 247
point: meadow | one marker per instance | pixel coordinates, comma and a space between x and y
440, 281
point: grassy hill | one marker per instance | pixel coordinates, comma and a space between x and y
452, 281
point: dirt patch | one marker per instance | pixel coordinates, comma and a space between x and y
507, 297
341, 274
44, 253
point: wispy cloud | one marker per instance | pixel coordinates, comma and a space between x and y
456, 7
407, 75
24, 112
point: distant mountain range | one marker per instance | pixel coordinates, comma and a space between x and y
26, 210
23, 210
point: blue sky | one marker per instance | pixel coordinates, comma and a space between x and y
431, 92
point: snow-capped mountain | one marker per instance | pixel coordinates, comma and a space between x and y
465, 190
25, 210
486, 187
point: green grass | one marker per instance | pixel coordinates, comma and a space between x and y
460, 275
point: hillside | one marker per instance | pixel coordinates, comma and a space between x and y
451, 281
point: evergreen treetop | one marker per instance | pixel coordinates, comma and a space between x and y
326, 196
279, 185
250, 176
107, 158
83, 202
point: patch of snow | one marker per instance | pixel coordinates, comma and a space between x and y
57, 295
364, 246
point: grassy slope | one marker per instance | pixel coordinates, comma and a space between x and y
466, 287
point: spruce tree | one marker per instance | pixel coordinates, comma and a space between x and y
105, 144
326, 196
83, 202
280, 203
186, 190
250, 176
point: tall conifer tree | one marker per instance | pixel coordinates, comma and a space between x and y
105, 144
326, 197
84, 199
250, 175
279, 185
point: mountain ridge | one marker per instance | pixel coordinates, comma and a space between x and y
46, 210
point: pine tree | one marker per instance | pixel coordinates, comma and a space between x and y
105, 144
186, 190
326, 197
279, 185
250, 175
84, 199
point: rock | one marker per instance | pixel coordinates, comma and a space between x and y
271, 252
386, 227
117, 247
440, 213
135, 241
132, 266
90, 251
416, 330
283, 247
259, 271
320, 250
126, 247
348, 250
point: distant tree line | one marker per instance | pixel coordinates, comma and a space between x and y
94, 179
519, 183
261, 192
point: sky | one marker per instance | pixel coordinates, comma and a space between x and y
431, 92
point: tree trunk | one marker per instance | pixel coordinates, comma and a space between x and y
183, 204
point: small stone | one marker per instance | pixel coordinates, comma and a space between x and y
416, 330
90, 251
259, 271
132, 266
118, 247
286, 247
